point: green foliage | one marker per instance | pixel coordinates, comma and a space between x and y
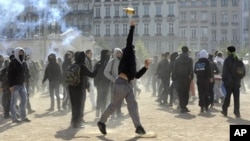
102, 43
141, 51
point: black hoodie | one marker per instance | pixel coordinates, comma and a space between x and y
52, 71
80, 60
128, 61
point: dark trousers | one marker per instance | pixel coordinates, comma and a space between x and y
76, 99
211, 93
171, 92
54, 90
102, 95
236, 94
182, 88
6, 102
165, 90
83, 103
203, 91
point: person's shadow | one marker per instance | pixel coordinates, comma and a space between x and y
238, 121
68, 134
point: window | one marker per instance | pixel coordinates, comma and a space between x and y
158, 29
193, 3
183, 3
75, 6
136, 10
234, 2
97, 11
97, 30
171, 28
194, 33
125, 26
245, 5
170, 9
224, 35
183, 16
116, 29
158, 9
107, 9
235, 35
146, 10
224, 2
183, 32
107, 30
204, 33
158, 47
204, 2
224, 17
193, 16
213, 2
214, 35
214, 17
146, 28
235, 17
117, 11
204, 16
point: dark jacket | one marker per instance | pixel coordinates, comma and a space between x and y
18, 70
202, 69
128, 61
163, 70
227, 76
173, 56
52, 71
183, 67
80, 60
101, 80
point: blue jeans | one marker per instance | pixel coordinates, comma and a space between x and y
22, 92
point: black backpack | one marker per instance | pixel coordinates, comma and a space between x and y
239, 69
73, 75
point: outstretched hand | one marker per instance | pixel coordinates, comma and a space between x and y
147, 63
132, 23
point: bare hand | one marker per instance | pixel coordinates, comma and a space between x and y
11, 89
132, 23
147, 63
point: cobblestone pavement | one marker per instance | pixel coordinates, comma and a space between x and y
168, 123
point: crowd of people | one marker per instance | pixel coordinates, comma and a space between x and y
172, 79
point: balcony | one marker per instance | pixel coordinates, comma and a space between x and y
235, 23
107, 17
204, 39
224, 23
214, 24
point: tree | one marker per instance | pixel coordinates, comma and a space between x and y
141, 51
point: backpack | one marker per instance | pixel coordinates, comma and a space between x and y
73, 75
238, 70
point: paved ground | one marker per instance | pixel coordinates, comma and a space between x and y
169, 124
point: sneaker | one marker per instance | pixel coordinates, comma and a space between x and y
237, 115
102, 127
140, 130
224, 113
26, 120
185, 110
16, 121
202, 110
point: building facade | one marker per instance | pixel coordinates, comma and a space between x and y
162, 25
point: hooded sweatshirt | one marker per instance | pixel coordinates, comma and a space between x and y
53, 70
111, 70
128, 61
202, 67
100, 79
80, 60
18, 70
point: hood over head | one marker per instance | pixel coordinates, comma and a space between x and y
115, 52
105, 55
19, 58
203, 54
80, 57
173, 56
52, 58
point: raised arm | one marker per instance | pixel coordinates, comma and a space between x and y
130, 35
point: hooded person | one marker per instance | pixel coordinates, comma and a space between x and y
68, 59
18, 71
111, 73
102, 83
54, 75
78, 93
202, 69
